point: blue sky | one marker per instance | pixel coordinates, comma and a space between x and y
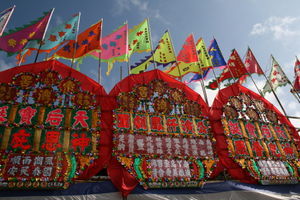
268, 27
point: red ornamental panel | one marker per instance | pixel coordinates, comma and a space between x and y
50, 112
164, 138
257, 137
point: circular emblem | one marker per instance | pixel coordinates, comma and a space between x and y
127, 101
162, 105
252, 114
235, 102
230, 112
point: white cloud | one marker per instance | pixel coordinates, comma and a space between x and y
139, 6
278, 27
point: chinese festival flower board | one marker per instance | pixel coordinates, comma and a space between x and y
255, 142
49, 125
162, 135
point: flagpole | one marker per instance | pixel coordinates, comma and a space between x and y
151, 45
175, 56
41, 42
10, 14
75, 42
201, 71
99, 59
274, 92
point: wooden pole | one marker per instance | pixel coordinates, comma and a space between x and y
180, 78
99, 58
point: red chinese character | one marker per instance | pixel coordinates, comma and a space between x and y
19, 139
288, 150
140, 122
280, 132
251, 129
26, 115
234, 128
3, 113
240, 147
202, 128
81, 117
172, 125
266, 131
81, 142
156, 123
257, 148
52, 141
54, 117
123, 120
187, 126
274, 150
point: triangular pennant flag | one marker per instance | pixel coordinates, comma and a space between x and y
139, 38
87, 41
234, 69
251, 65
276, 78
4, 18
205, 61
15, 40
187, 60
163, 55
216, 54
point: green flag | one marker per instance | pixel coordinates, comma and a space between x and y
139, 38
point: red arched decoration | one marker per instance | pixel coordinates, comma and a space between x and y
234, 169
120, 177
87, 85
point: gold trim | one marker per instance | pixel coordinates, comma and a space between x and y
260, 136
66, 141
5, 138
37, 139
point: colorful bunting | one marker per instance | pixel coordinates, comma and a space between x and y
187, 59
114, 47
14, 40
4, 18
139, 38
87, 41
163, 55
277, 78
234, 69
251, 65
297, 76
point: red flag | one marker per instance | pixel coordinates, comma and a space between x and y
251, 65
235, 69
188, 53
297, 76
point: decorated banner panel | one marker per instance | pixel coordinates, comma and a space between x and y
162, 135
49, 125
259, 139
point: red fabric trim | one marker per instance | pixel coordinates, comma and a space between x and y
221, 145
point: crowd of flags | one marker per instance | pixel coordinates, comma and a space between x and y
123, 42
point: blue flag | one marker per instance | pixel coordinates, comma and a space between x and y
198, 77
216, 55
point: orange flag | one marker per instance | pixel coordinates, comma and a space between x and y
87, 42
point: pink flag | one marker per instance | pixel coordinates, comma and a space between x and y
114, 47
14, 41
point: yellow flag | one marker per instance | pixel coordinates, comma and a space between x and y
204, 57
